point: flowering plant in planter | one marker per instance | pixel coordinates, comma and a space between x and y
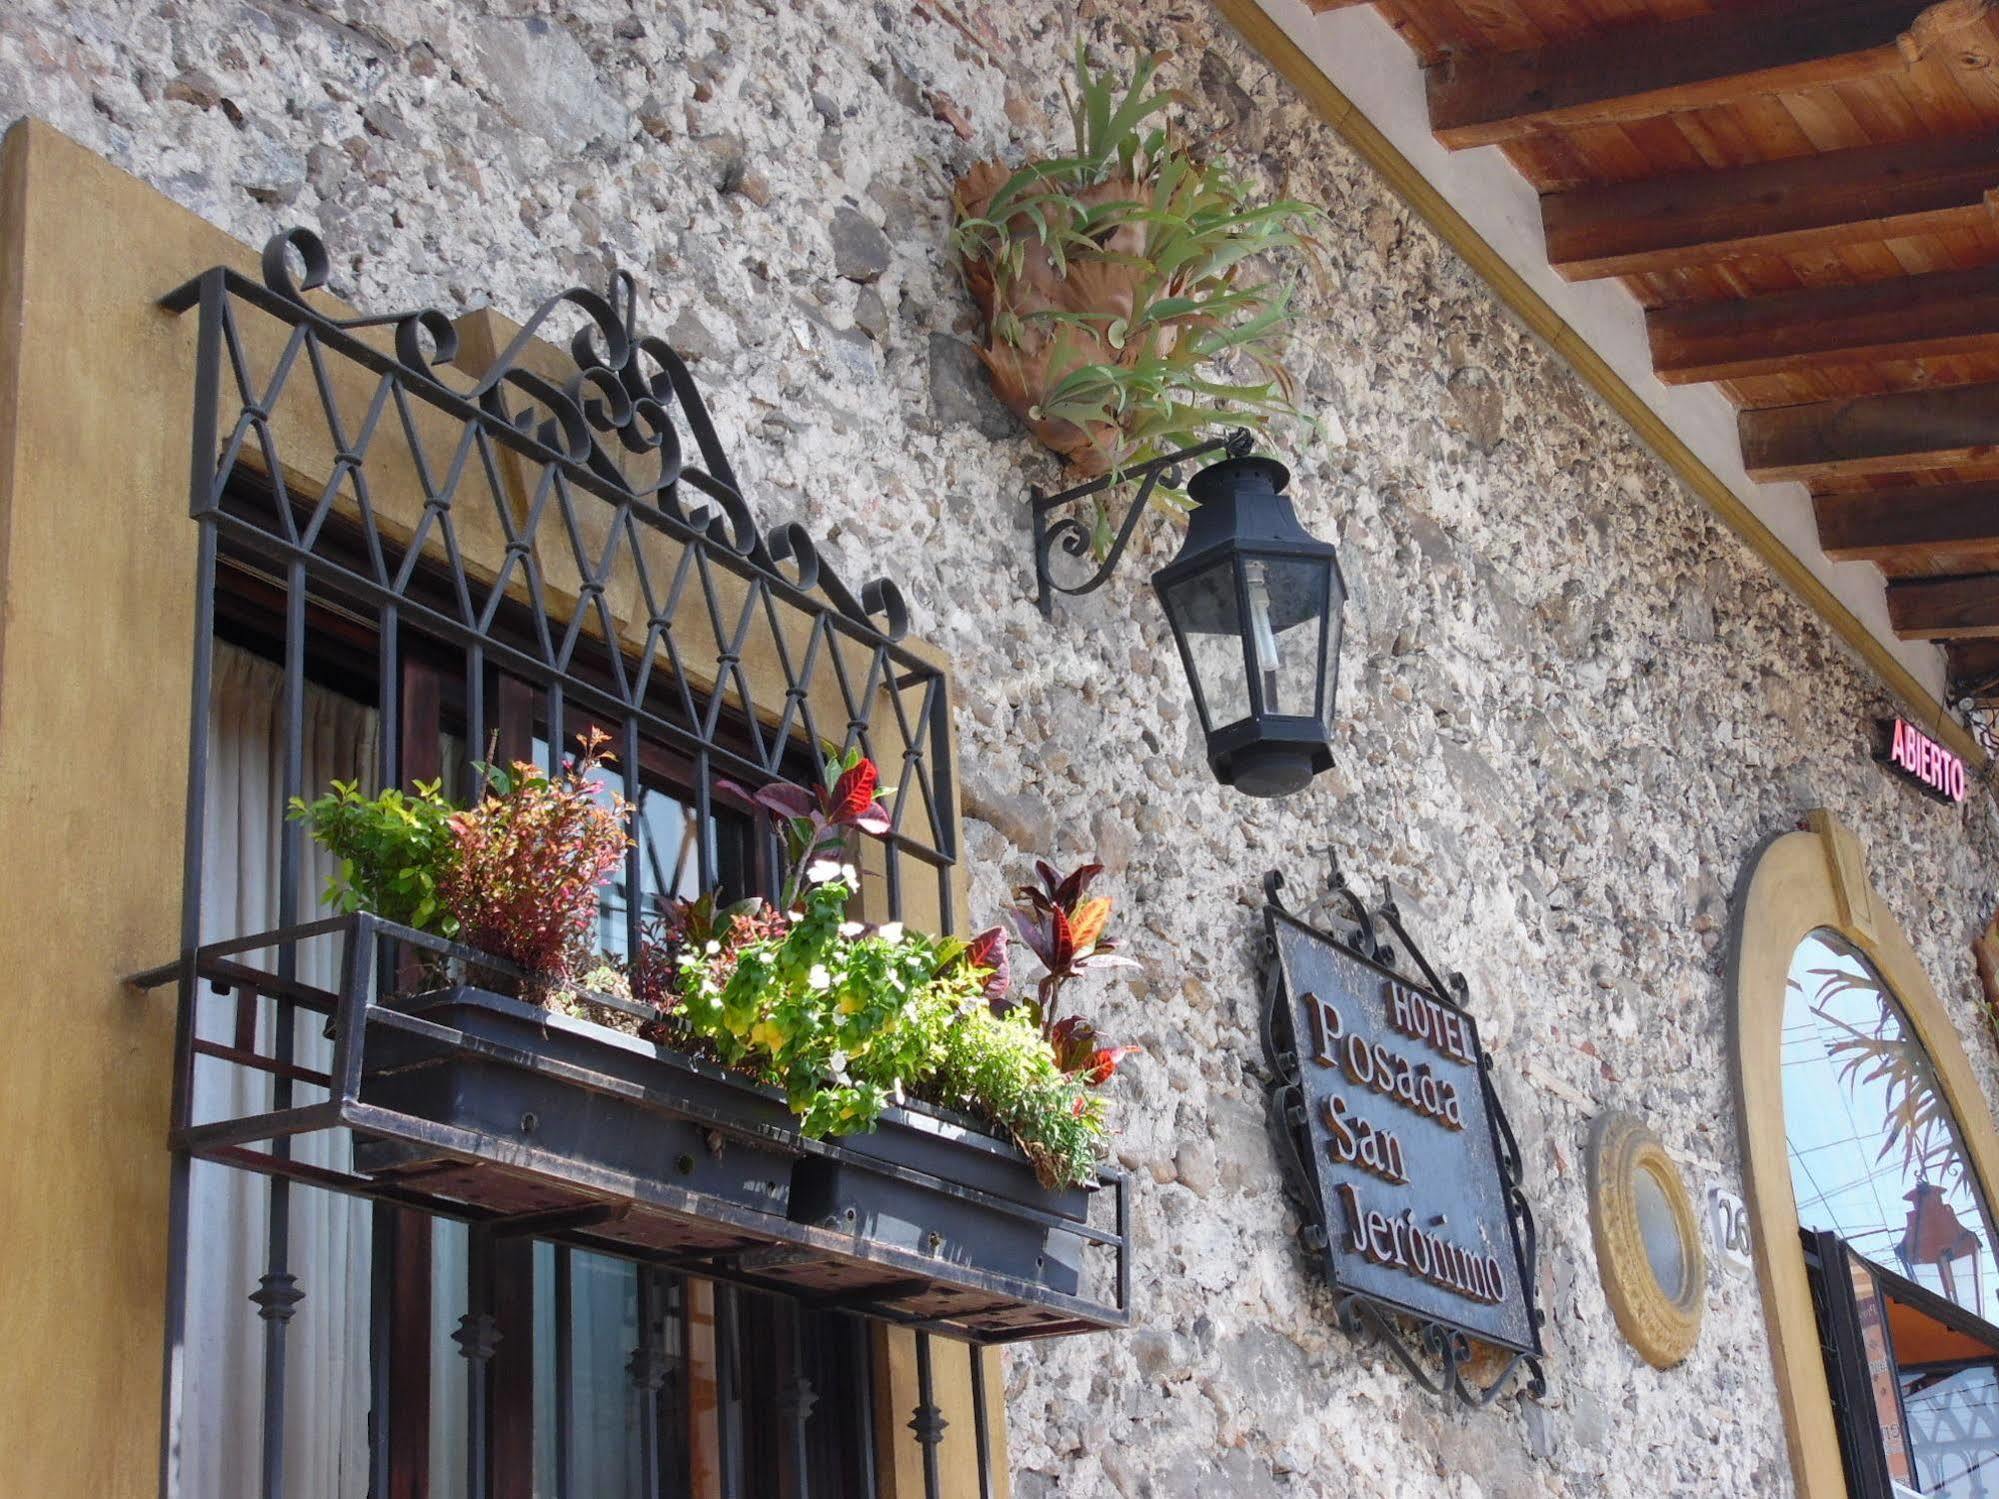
845, 1017
390, 848
528, 859
848, 1018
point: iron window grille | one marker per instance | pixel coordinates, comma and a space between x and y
568, 529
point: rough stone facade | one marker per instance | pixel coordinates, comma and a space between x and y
1573, 705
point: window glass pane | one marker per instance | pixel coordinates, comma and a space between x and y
1203, 610
669, 854
550, 1432
1875, 1154
1954, 1429
448, 1246
1870, 1307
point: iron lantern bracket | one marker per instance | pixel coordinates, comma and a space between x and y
1072, 534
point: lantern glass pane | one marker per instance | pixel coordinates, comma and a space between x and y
1203, 612
1329, 665
1286, 609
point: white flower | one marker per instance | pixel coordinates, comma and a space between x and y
849, 875
852, 929
822, 871
712, 948
819, 978
837, 1065
891, 931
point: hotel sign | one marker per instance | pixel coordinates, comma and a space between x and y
1401, 1135
1914, 756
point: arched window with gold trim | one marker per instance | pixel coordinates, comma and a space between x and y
1869, 1154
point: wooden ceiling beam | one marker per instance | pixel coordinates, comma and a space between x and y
1973, 667
1906, 432
1907, 317
1946, 608
1803, 203
1639, 71
1923, 525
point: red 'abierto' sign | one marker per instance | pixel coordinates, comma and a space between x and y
1926, 762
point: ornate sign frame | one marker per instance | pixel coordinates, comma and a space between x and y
1442, 1353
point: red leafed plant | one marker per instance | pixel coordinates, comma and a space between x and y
528, 859
1065, 929
817, 818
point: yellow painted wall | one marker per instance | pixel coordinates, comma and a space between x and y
98, 557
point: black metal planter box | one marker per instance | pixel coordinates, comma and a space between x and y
472, 1104
665, 1116
933, 1184
715, 1133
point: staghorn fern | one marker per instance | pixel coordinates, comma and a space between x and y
1113, 287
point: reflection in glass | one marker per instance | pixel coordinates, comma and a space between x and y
1875, 1312
604, 1412
1211, 629
665, 829
1875, 1153
1660, 1231
1954, 1428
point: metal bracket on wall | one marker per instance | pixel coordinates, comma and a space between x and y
1075, 536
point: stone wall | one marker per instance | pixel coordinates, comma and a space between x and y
1573, 705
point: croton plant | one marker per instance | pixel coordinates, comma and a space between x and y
844, 1016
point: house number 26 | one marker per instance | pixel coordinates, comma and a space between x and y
1728, 1222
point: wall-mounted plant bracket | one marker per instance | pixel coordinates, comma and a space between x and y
1072, 534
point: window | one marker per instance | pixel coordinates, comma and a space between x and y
606, 1378
1915, 1380
1876, 1158
1870, 1151
400, 575
1882, 1180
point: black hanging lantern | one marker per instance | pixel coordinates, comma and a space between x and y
1255, 602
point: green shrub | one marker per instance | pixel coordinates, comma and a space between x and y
393, 850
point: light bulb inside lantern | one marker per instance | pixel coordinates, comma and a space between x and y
1263, 638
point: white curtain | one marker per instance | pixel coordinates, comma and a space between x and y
605, 1407
327, 1365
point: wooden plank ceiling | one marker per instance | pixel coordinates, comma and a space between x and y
1804, 197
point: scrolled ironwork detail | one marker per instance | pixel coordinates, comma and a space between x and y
1443, 1360
613, 416
1073, 536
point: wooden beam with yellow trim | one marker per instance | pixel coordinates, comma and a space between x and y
1544, 322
